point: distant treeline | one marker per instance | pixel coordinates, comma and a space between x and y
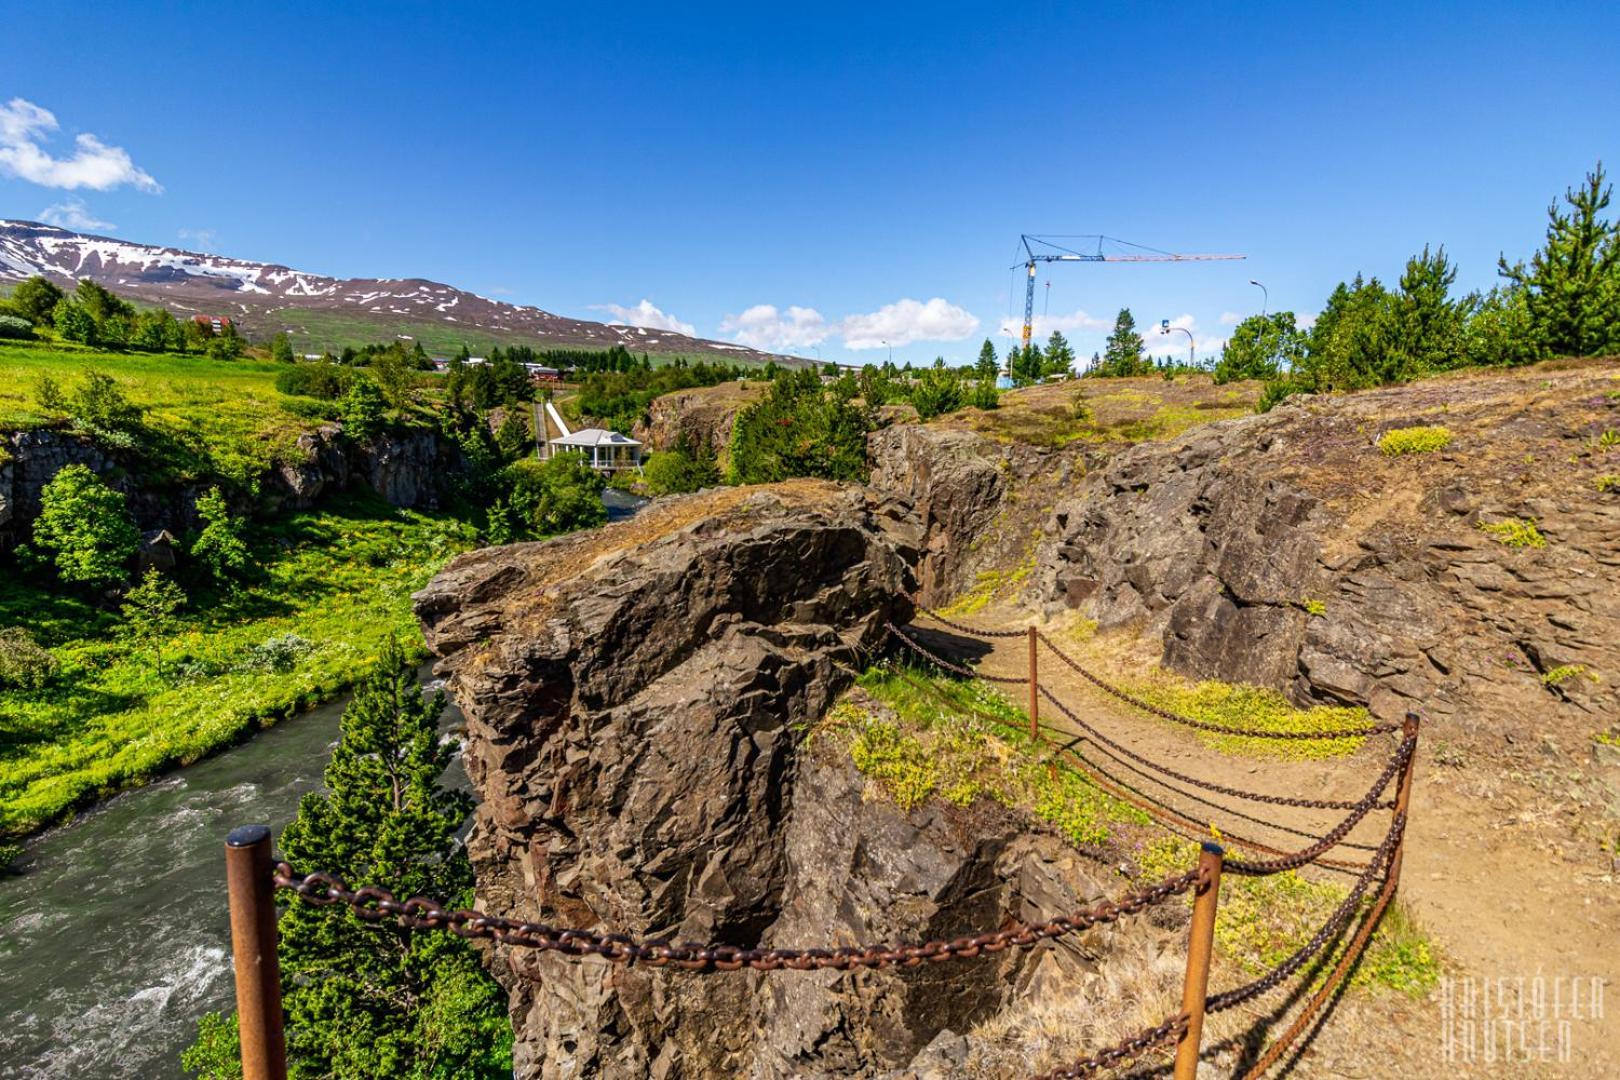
92, 315
1564, 302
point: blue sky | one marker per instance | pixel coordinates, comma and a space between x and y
829, 175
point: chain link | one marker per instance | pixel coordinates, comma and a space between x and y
1236, 793
1120, 1053
971, 631
941, 662
375, 904
1335, 923
1201, 725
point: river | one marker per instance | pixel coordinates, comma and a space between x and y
115, 938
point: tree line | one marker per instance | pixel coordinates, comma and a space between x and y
1565, 301
92, 315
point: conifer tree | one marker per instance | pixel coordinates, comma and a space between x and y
1125, 352
988, 367
1572, 284
373, 999
1059, 357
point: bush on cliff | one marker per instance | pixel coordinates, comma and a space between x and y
375, 999
558, 495
686, 467
800, 429
85, 528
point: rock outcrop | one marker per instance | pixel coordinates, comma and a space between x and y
636, 700
407, 468
1285, 550
703, 415
981, 501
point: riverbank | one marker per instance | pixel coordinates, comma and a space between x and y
333, 584
116, 936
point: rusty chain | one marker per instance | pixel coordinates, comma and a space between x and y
1120, 1053
1134, 701
1331, 928
375, 904
1097, 773
971, 631
1220, 789
941, 662
1202, 725
1309, 855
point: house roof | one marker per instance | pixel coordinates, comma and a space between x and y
594, 436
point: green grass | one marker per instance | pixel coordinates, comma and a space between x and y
225, 413
1414, 440
1257, 708
1261, 921
971, 745
340, 577
1515, 533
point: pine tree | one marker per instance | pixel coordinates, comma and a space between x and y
1428, 329
1572, 284
1125, 352
281, 349
988, 366
373, 999
1059, 358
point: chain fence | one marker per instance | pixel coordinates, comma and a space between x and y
254, 881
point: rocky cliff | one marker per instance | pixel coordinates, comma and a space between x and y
1289, 550
636, 700
703, 415
407, 468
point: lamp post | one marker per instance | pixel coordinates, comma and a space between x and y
1265, 296
886, 345
1192, 349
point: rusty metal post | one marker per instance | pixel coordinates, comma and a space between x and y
253, 944
1200, 944
1403, 797
1034, 688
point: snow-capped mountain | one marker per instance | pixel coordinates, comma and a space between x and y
318, 311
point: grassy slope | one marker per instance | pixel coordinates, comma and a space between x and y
340, 577
229, 412
923, 745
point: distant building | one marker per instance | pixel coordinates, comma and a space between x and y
605, 451
215, 324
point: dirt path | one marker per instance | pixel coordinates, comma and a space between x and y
1494, 882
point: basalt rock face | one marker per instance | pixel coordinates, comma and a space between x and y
704, 416
406, 468
636, 699
979, 499
1286, 550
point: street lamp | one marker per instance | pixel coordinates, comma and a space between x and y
891, 352
1265, 296
1192, 350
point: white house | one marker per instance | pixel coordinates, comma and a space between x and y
606, 451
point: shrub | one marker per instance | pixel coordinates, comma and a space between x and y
98, 405
362, 411
279, 654
1608, 484
555, 496
799, 430
219, 547
1515, 533
84, 526
686, 467
11, 326
1414, 440
320, 380
24, 664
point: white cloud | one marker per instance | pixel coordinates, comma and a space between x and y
204, 239
1230, 318
1043, 325
72, 214
907, 321
94, 164
649, 315
764, 327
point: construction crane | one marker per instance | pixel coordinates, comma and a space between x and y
1061, 253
